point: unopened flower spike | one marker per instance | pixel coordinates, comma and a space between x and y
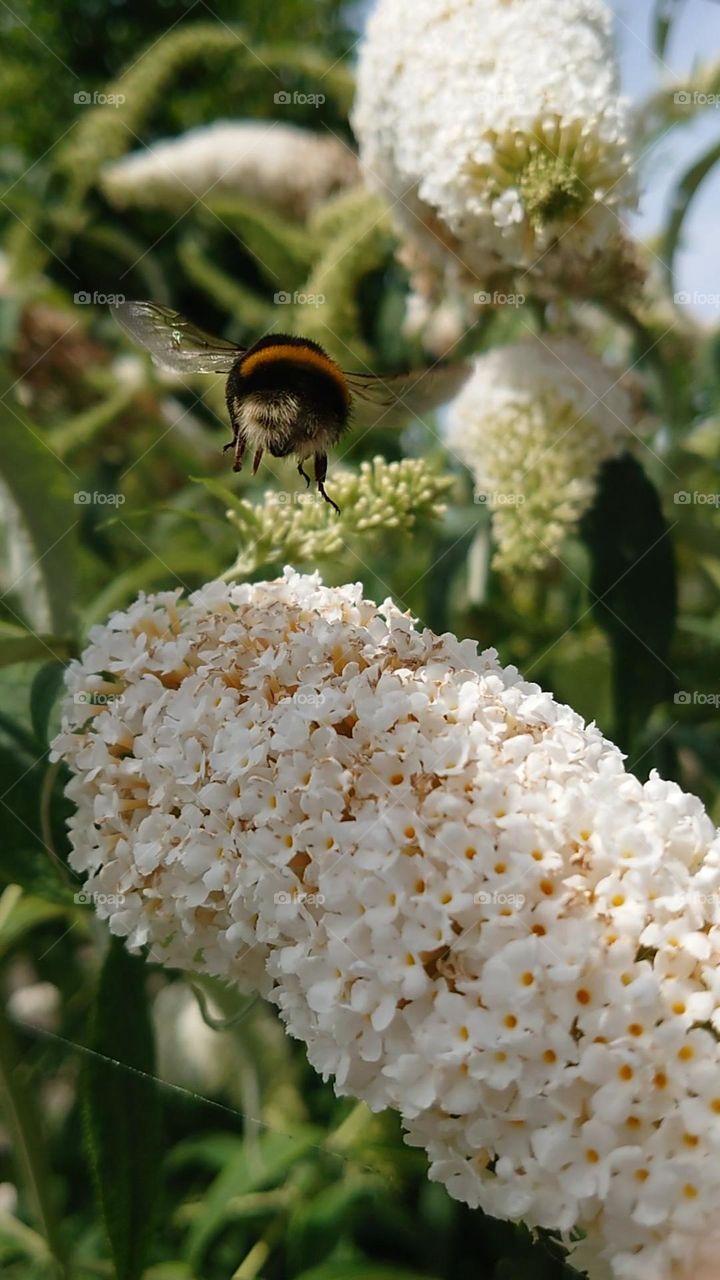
300, 527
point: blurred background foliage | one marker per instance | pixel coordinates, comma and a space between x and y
153, 1127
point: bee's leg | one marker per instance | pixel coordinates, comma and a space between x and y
257, 460
304, 474
239, 451
231, 403
238, 441
320, 474
238, 444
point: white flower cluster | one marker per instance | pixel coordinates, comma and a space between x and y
448, 884
290, 168
533, 423
495, 126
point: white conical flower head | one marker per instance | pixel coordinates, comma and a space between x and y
534, 422
447, 883
288, 167
495, 127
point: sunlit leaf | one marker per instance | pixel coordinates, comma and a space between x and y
685, 191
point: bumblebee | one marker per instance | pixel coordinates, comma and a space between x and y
284, 394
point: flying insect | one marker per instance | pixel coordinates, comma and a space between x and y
284, 393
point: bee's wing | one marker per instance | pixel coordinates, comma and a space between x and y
408, 395
173, 342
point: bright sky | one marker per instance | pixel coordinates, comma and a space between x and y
695, 37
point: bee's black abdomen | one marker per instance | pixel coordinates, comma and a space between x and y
281, 450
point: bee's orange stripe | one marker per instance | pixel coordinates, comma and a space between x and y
298, 355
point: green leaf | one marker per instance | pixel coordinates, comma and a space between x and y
41, 876
19, 736
19, 913
17, 644
211, 1150
316, 1223
77, 432
262, 1165
230, 500
41, 492
633, 590
121, 1103
17, 1238
683, 195
44, 693
20, 819
664, 13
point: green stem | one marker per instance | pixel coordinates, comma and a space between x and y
29, 1241
253, 1262
24, 1123
82, 429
